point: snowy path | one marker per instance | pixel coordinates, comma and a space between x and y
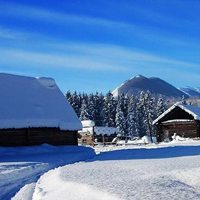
14, 175
129, 174
24, 165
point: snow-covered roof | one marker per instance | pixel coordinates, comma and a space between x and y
101, 130
87, 123
34, 102
177, 120
192, 110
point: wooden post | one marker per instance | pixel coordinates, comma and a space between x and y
93, 136
28, 136
159, 132
103, 139
198, 128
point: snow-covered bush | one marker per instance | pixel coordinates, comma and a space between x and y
147, 139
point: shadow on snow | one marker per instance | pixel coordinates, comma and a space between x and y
27, 164
156, 153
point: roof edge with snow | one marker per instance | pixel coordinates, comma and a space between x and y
194, 111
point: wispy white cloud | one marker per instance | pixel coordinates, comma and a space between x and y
10, 34
120, 27
17, 57
151, 13
119, 53
53, 16
91, 57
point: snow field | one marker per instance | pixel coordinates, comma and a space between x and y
127, 174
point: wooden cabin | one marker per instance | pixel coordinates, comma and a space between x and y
180, 119
91, 134
34, 111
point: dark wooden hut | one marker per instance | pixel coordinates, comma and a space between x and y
90, 134
180, 119
105, 134
34, 111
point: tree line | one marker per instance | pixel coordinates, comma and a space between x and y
132, 115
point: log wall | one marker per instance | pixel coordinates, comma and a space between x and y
189, 129
36, 136
105, 138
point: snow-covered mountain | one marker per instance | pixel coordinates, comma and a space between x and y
192, 92
153, 84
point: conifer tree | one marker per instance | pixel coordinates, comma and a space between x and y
84, 111
109, 110
98, 105
140, 115
149, 113
75, 102
68, 96
131, 118
123, 101
120, 120
91, 107
161, 106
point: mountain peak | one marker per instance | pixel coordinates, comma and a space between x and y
139, 76
155, 85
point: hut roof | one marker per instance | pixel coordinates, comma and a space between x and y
87, 123
34, 102
192, 110
101, 130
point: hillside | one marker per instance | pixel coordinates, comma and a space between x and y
192, 92
153, 84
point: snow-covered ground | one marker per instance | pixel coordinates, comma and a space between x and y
164, 171
125, 172
143, 143
24, 165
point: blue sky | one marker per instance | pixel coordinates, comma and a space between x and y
93, 45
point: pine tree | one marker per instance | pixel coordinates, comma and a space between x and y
68, 96
109, 110
161, 106
98, 107
120, 120
131, 118
84, 111
123, 101
149, 113
75, 102
91, 107
140, 115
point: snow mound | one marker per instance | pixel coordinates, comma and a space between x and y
45, 189
47, 82
87, 123
25, 193
148, 139
138, 141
